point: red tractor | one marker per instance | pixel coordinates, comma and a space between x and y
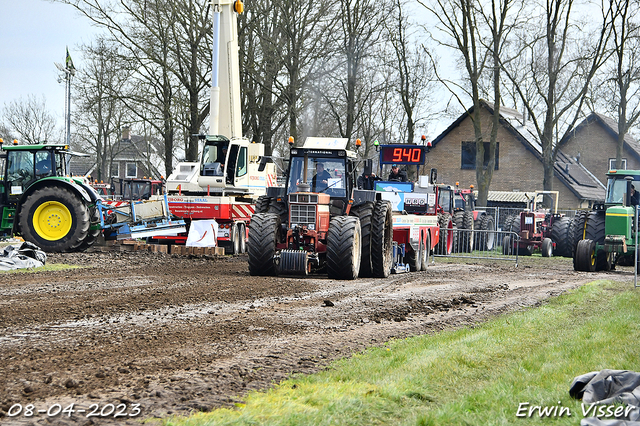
467, 217
538, 228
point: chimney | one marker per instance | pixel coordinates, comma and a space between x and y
126, 133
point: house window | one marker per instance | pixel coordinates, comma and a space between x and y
132, 170
468, 155
115, 170
612, 164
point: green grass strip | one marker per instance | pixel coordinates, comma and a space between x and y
475, 376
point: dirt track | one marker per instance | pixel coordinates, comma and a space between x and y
178, 334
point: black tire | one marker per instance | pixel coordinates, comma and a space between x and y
49, 208
343, 248
382, 239
507, 249
262, 204
264, 235
94, 233
463, 221
279, 208
577, 229
364, 212
414, 258
584, 259
560, 236
594, 230
242, 231
234, 239
485, 240
446, 242
426, 255
547, 247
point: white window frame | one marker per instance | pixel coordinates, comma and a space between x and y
115, 169
126, 170
612, 164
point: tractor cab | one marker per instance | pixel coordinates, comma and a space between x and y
23, 165
322, 166
619, 189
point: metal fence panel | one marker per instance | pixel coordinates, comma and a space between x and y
478, 244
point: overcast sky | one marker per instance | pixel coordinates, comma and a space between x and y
34, 35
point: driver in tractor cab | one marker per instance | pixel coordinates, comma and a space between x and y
397, 174
634, 196
321, 179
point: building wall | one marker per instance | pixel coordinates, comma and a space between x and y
519, 169
596, 146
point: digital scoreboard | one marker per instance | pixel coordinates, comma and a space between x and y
402, 154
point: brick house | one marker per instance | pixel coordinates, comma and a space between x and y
518, 160
134, 157
594, 142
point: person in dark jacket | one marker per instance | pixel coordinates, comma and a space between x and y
635, 197
321, 179
397, 174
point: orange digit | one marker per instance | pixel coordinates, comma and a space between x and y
397, 154
415, 155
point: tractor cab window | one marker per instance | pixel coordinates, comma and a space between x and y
444, 200
20, 171
325, 175
617, 189
60, 164
44, 164
213, 158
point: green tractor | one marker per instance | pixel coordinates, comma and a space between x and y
40, 203
608, 233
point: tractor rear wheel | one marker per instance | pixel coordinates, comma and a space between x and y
560, 236
585, 257
55, 219
382, 239
577, 229
364, 212
594, 230
94, 233
262, 204
464, 222
264, 235
343, 248
447, 234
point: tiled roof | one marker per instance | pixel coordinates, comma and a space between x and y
573, 174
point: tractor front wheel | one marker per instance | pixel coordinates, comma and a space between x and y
54, 219
547, 247
585, 256
343, 248
264, 235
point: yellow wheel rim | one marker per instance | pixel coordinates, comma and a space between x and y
52, 220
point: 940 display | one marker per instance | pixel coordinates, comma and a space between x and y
402, 154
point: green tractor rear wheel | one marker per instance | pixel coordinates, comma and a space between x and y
55, 219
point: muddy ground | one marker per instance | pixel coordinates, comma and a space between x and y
156, 334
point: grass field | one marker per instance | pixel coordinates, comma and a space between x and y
45, 268
477, 376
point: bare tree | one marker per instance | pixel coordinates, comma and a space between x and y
626, 41
30, 119
562, 60
462, 22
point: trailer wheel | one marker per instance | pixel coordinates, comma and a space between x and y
344, 248
414, 259
364, 212
486, 238
547, 247
264, 234
55, 219
585, 257
242, 233
426, 253
382, 239
560, 236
